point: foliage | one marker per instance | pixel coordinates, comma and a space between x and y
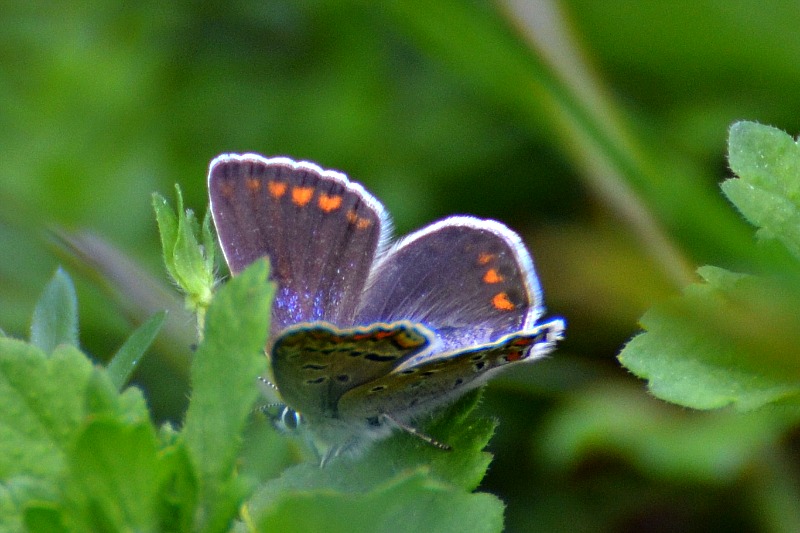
81, 455
733, 339
189, 252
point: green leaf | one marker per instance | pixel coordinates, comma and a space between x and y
392, 461
733, 340
44, 518
224, 388
102, 398
767, 191
412, 504
457, 426
190, 263
180, 488
16, 495
127, 357
464, 465
167, 229
189, 255
41, 404
114, 478
209, 242
730, 341
55, 318
44, 402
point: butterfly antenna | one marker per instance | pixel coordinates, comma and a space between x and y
268, 383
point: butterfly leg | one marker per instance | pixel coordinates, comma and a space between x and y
332, 453
415, 432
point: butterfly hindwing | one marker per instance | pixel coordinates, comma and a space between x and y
470, 280
414, 388
320, 231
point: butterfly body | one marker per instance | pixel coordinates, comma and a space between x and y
366, 337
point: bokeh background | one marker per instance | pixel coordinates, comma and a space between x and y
596, 129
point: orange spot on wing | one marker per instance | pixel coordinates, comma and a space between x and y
276, 189
357, 221
407, 341
501, 302
226, 189
485, 258
372, 335
492, 276
302, 195
329, 203
514, 356
253, 184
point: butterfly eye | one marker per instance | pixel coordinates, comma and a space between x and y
289, 419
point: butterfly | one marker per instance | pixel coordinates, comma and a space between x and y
368, 336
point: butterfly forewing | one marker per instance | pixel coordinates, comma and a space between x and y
320, 232
314, 364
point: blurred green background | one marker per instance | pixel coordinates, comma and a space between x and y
595, 129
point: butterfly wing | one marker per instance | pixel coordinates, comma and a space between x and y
314, 364
470, 280
320, 231
411, 389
